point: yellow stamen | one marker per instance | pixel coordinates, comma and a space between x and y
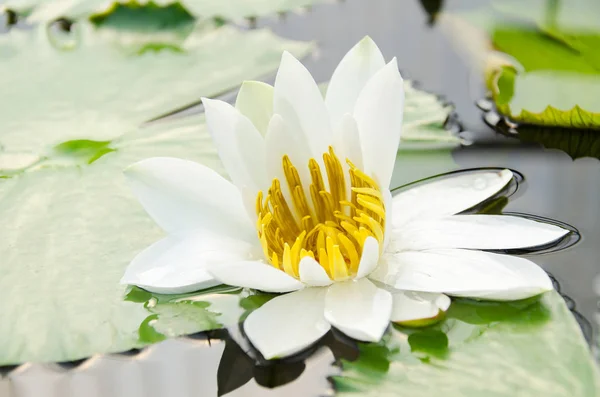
329, 225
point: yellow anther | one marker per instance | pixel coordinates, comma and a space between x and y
328, 223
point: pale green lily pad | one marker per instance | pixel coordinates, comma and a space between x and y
83, 88
481, 349
40, 11
71, 225
424, 122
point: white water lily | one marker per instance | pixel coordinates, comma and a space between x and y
309, 214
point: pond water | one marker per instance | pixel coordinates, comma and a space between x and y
553, 186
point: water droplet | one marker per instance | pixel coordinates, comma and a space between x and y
152, 302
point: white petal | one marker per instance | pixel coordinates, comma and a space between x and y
241, 147
313, 274
350, 77
378, 113
178, 264
475, 232
181, 196
298, 100
369, 258
411, 305
288, 324
279, 142
457, 272
255, 275
359, 309
347, 141
447, 196
255, 101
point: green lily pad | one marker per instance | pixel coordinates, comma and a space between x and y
549, 98
40, 11
93, 92
71, 224
527, 348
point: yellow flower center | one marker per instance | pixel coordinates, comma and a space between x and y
330, 226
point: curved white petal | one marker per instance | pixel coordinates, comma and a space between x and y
298, 100
413, 305
241, 147
288, 324
378, 112
350, 76
370, 257
359, 309
447, 196
256, 275
176, 264
181, 195
313, 274
458, 272
475, 232
255, 101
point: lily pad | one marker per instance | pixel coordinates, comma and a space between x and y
426, 118
41, 11
71, 225
549, 98
493, 349
93, 92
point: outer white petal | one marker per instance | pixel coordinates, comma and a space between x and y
350, 76
288, 324
447, 196
256, 275
411, 305
313, 274
298, 100
378, 113
458, 272
178, 264
474, 232
240, 146
369, 258
255, 101
359, 309
181, 196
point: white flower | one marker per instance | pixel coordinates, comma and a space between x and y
310, 214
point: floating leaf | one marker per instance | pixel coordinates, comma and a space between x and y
425, 120
94, 94
549, 98
527, 348
71, 225
227, 9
